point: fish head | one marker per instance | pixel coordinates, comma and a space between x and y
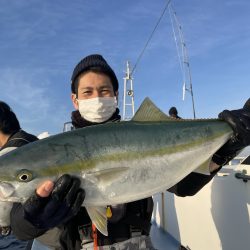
19, 186
24, 168
18, 177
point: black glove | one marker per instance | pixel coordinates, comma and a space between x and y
63, 203
239, 120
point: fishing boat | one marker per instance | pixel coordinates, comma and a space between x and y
217, 217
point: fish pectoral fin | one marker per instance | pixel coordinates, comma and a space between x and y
107, 176
148, 111
99, 218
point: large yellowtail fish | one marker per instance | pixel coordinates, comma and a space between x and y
117, 162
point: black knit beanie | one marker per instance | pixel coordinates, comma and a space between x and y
91, 62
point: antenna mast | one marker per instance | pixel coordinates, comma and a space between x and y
182, 55
128, 95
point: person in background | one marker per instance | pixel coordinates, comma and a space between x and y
11, 137
54, 216
174, 113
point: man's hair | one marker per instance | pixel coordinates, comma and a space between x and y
92, 63
173, 111
8, 120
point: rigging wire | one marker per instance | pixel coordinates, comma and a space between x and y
150, 37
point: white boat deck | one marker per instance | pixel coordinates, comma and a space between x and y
163, 240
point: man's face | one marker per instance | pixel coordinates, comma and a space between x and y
93, 85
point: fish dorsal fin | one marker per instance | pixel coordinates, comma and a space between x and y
247, 105
99, 218
149, 112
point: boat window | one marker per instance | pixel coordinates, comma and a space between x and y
235, 162
67, 126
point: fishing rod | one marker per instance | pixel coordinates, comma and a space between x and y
150, 37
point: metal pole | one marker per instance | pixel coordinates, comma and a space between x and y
184, 64
128, 93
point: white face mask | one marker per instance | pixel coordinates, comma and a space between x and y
98, 109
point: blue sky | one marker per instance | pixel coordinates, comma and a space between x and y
42, 41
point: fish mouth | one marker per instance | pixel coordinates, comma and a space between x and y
6, 190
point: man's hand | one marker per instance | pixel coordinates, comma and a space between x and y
239, 120
45, 189
54, 204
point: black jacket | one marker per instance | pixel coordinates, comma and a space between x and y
136, 217
19, 139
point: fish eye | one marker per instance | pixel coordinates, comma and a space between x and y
24, 175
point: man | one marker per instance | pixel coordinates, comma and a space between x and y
54, 214
11, 137
174, 113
